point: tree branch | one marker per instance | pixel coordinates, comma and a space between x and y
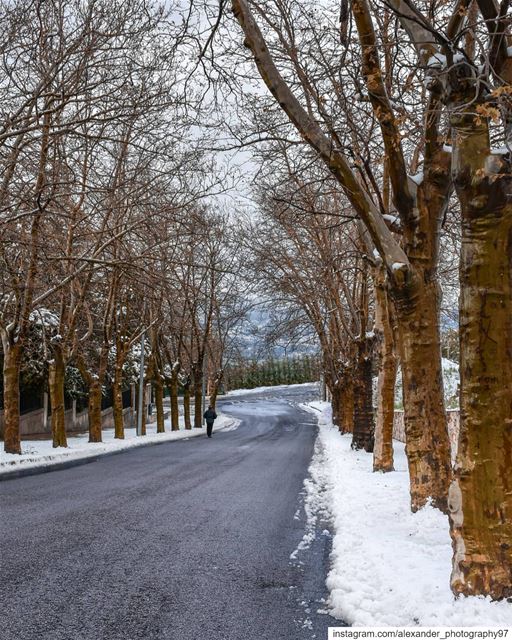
387, 246
382, 109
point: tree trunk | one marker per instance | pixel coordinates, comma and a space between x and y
383, 446
117, 396
417, 304
427, 443
198, 402
342, 403
186, 405
215, 391
336, 392
426, 430
159, 401
12, 352
346, 405
144, 409
481, 493
12, 366
94, 411
56, 375
364, 427
175, 412
388, 363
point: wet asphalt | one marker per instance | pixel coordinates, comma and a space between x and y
186, 540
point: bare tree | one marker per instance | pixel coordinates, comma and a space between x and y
420, 205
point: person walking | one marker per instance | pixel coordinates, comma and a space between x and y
210, 417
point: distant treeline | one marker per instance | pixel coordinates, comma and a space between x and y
248, 374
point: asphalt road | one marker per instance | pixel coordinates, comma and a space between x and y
186, 540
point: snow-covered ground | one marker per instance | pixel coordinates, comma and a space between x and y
388, 566
40, 453
278, 387
451, 379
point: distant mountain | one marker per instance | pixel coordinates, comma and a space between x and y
262, 336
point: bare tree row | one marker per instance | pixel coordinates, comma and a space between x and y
103, 237
406, 105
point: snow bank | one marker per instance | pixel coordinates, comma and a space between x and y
388, 565
315, 502
40, 453
279, 387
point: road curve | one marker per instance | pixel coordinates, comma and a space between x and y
187, 540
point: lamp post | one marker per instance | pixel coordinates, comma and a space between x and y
205, 354
205, 376
141, 384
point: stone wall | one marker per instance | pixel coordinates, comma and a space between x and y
34, 423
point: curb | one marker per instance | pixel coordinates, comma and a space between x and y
78, 462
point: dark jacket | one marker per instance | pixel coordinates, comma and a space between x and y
209, 415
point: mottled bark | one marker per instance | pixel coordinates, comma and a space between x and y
215, 390
481, 493
336, 393
117, 396
56, 375
414, 281
117, 390
388, 363
94, 411
197, 376
364, 427
427, 443
383, 445
347, 405
159, 401
198, 406
342, 403
186, 404
175, 414
12, 366
417, 305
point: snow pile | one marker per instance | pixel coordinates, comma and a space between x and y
388, 565
40, 453
278, 387
315, 500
